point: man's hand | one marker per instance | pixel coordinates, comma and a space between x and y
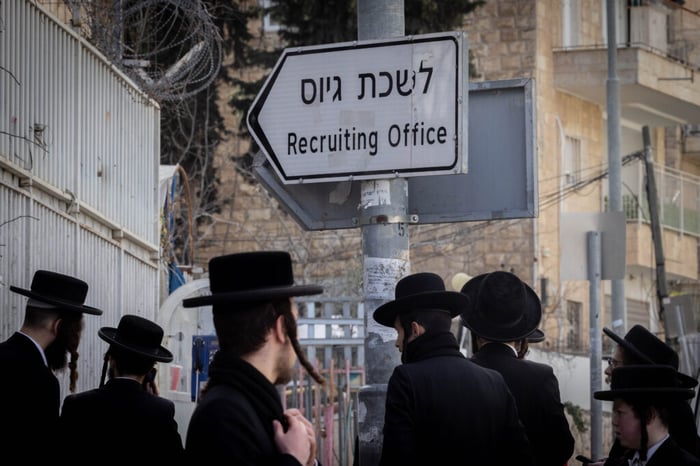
293, 412
295, 441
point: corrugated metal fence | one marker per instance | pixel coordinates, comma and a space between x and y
79, 157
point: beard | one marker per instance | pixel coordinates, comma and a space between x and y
285, 366
67, 341
57, 355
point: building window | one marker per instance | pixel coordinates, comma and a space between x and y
621, 27
572, 160
574, 341
570, 23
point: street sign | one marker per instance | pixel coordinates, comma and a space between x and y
365, 110
501, 183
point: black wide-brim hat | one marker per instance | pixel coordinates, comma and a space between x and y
139, 336
647, 348
62, 291
423, 290
250, 277
537, 336
647, 381
501, 307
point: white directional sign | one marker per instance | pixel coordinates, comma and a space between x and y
365, 110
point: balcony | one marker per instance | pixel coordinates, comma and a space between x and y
657, 66
679, 213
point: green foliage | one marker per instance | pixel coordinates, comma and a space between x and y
191, 128
425, 16
576, 415
311, 22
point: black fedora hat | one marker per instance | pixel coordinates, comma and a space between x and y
537, 336
647, 348
648, 381
58, 290
423, 290
137, 335
501, 307
250, 277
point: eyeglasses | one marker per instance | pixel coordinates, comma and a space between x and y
612, 362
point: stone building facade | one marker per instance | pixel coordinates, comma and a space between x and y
562, 46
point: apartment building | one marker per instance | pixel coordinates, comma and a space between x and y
563, 45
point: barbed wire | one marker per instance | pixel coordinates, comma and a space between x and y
170, 48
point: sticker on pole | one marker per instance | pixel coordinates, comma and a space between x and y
365, 110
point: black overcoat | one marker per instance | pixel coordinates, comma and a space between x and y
232, 422
681, 427
441, 408
536, 391
121, 422
668, 454
30, 399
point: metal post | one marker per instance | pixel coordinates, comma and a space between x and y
385, 250
619, 312
594, 278
656, 231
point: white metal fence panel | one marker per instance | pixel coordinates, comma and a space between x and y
98, 257
79, 156
119, 282
120, 155
12, 233
69, 118
143, 278
50, 242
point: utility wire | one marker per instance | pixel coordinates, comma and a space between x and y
546, 201
556, 196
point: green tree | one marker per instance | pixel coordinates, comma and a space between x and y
174, 49
192, 128
179, 47
311, 22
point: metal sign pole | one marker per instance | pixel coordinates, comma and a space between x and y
619, 306
595, 274
385, 252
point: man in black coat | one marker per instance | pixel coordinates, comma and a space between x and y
640, 346
642, 395
30, 395
239, 419
121, 413
502, 311
442, 408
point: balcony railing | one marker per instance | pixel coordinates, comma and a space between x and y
679, 198
664, 27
